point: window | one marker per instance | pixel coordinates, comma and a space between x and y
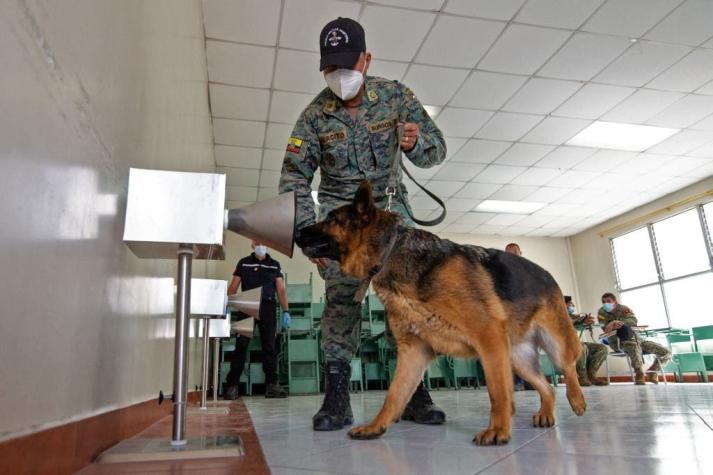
668, 280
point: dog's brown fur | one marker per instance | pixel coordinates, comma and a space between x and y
465, 301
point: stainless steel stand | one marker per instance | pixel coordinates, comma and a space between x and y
204, 408
180, 373
216, 368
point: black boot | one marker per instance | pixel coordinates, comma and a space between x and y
335, 412
231, 392
421, 409
274, 390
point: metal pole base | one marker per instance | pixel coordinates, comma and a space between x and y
209, 409
150, 450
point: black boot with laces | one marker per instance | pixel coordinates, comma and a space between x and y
336, 412
420, 408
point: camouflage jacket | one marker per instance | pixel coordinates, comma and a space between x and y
620, 312
349, 151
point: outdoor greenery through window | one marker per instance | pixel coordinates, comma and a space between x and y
665, 269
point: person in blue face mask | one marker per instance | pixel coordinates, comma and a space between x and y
620, 318
259, 270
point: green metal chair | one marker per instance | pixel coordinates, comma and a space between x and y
374, 371
703, 343
462, 368
356, 378
686, 361
438, 369
303, 363
548, 369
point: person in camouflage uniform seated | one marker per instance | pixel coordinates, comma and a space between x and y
350, 133
593, 354
615, 316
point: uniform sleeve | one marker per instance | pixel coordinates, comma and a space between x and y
602, 316
278, 271
430, 149
298, 167
628, 317
238, 268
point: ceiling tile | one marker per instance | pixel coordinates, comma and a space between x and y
454, 171
298, 71
241, 193
593, 100
248, 21
556, 130
573, 179
484, 90
444, 189
565, 157
558, 13
461, 122
422, 173
506, 219
535, 220
554, 210
689, 24
475, 218
604, 160
508, 126
240, 176
453, 144
477, 191
548, 194
387, 69
272, 159
583, 56
524, 154
630, 18
641, 63
582, 197
541, 96
233, 102
703, 171
480, 151
237, 204
517, 230
423, 203
705, 151
489, 229
451, 216
537, 176
434, 85
685, 112
522, 49
513, 193
643, 163
277, 135
707, 89
226, 64
459, 228
461, 204
431, 5
498, 174
687, 75
242, 157
617, 179
500, 10
540, 232
395, 33
238, 132
286, 107
681, 166
458, 42
683, 142
269, 179
641, 106
705, 124
303, 20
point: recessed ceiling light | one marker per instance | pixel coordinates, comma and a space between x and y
617, 136
515, 207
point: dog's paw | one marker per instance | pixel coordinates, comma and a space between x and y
578, 404
543, 420
367, 431
492, 437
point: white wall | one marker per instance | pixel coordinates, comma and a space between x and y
88, 89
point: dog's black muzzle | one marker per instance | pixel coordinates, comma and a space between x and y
316, 244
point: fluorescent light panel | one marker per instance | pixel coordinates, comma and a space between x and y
513, 207
617, 136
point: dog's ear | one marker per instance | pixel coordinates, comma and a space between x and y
364, 200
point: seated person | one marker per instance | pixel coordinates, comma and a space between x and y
593, 354
620, 318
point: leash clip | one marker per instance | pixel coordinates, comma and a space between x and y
390, 192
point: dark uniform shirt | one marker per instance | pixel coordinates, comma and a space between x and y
254, 273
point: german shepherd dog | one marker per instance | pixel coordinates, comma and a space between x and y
454, 299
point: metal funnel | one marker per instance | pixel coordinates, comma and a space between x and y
247, 302
272, 222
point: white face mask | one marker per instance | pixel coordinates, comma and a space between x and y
345, 83
260, 251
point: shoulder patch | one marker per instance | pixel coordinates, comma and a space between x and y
408, 93
372, 95
330, 105
294, 144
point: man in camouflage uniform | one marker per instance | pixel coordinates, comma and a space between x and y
350, 132
614, 316
593, 354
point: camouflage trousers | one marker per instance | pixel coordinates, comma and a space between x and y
593, 356
635, 348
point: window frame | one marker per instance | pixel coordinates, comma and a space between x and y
708, 242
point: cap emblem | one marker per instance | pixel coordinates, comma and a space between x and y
335, 36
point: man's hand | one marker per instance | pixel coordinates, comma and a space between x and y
286, 319
322, 262
589, 320
409, 137
615, 325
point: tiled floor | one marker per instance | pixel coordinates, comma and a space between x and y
626, 430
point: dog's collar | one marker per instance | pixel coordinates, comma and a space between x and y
374, 271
